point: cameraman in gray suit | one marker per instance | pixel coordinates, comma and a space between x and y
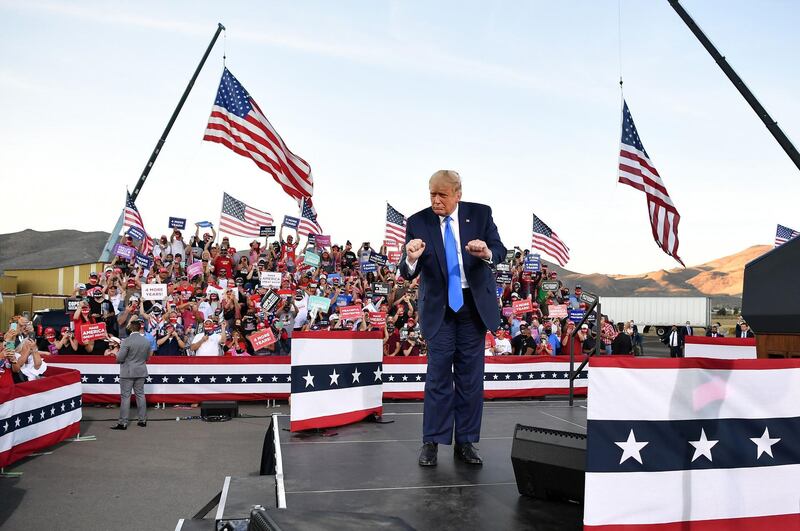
132, 357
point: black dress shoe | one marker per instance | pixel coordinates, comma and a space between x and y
142, 423
119, 427
427, 456
467, 453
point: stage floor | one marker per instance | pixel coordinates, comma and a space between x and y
368, 467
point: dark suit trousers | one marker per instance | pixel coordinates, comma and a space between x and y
454, 383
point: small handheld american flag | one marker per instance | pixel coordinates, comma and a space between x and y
784, 234
308, 219
239, 219
548, 242
395, 225
132, 218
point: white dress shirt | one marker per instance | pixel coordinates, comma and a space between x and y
457, 236
673, 339
454, 226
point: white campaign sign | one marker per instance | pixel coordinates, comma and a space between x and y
270, 279
154, 292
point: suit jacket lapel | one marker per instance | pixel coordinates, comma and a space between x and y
436, 239
465, 232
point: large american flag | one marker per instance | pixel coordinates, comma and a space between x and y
239, 219
308, 219
548, 242
132, 218
395, 225
784, 234
237, 122
636, 170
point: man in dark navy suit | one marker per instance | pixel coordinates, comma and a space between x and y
453, 246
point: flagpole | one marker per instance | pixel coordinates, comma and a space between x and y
219, 223
163, 139
738, 83
104, 257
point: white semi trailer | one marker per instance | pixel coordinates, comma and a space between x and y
658, 312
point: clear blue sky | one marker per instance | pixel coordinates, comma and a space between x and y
520, 97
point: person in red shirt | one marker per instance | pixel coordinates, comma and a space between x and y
411, 346
572, 341
236, 346
223, 266
82, 316
289, 252
391, 341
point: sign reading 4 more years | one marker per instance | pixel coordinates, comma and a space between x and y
154, 292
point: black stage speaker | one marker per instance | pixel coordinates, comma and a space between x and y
217, 410
296, 520
549, 464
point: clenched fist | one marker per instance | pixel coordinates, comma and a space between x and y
479, 249
414, 249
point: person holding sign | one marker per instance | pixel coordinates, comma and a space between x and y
288, 250
81, 317
176, 243
453, 246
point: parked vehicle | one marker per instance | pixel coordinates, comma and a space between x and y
658, 312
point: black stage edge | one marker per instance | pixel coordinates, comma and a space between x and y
372, 469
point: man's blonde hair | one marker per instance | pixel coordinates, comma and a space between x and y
450, 177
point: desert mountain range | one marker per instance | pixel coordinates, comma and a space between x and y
720, 279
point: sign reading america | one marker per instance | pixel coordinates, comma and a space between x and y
693, 444
336, 378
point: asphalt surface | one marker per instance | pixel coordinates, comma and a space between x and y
141, 478
654, 347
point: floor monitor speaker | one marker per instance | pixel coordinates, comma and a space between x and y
549, 464
215, 410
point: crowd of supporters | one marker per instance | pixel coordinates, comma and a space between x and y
217, 310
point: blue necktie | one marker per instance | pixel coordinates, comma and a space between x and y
455, 297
